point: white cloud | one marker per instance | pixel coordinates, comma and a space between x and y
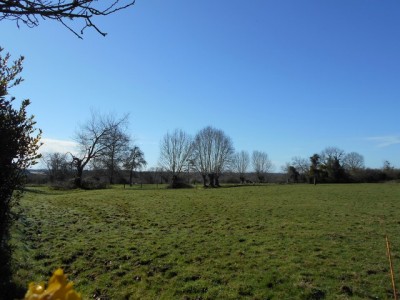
385, 141
62, 146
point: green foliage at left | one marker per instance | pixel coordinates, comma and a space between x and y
20, 141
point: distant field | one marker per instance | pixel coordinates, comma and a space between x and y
255, 242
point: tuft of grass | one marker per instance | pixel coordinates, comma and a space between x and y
252, 242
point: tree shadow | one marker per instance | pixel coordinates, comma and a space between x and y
241, 185
8, 289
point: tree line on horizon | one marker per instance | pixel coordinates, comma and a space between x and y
211, 153
107, 155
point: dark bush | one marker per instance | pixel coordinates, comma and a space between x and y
231, 179
180, 185
93, 184
373, 175
63, 185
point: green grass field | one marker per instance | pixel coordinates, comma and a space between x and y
253, 242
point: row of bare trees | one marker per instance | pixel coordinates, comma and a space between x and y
210, 153
260, 162
104, 144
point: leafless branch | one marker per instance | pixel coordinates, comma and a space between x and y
29, 11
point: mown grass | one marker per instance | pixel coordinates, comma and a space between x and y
256, 242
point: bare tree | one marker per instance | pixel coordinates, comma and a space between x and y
133, 161
29, 12
223, 153
116, 144
58, 166
261, 164
329, 154
202, 149
302, 166
92, 139
175, 152
213, 152
240, 164
332, 164
353, 161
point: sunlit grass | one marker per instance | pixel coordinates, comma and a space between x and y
258, 242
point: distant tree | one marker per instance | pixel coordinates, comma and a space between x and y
212, 154
92, 139
302, 166
19, 145
134, 160
389, 171
353, 161
175, 152
58, 166
314, 167
330, 154
29, 12
336, 171
240, 164
293, 174
261, 164
116, 145
387, 166
285, 169
202, 152
331, 158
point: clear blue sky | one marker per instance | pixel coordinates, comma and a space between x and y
285, 77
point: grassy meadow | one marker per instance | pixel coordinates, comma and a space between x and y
251, 242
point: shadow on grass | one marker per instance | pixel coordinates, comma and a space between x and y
228, 186
35, 191
8, 289
44, 190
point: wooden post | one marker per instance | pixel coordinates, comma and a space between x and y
391, 268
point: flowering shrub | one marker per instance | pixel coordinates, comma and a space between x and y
58, 288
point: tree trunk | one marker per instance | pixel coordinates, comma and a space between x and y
130, 177
211, 178
216, 180
78, 177
204, 179
111, 178
174, 181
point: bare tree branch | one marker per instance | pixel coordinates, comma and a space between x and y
63, 11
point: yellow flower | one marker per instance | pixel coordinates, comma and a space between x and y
58, 288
